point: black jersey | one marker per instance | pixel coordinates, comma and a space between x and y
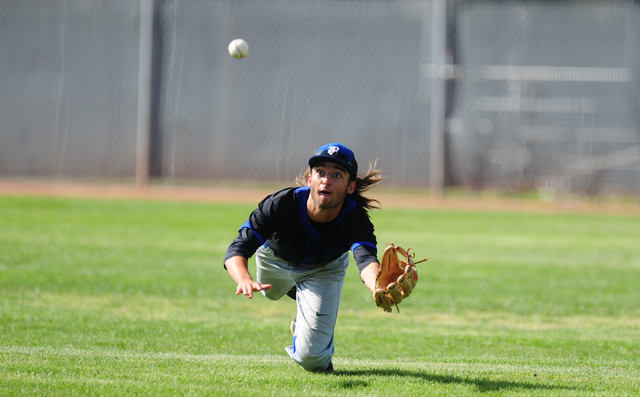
281, 222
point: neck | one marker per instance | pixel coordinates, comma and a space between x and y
322, 215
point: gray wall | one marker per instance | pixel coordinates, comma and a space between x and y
544, 95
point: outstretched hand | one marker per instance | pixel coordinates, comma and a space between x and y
247, 287
237, 268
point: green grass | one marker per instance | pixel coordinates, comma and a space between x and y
130, 298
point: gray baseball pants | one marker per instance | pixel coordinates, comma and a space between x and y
317, 297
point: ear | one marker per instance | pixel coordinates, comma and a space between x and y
352, 187
309, 178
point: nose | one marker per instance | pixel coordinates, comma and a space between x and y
326, 179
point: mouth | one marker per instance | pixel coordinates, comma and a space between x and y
324, 193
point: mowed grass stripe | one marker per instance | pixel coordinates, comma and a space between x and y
130, 297
228, 374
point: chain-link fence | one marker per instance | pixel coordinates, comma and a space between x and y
538, 94
548, 98
68, 78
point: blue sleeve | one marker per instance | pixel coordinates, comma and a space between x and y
364, 254
245, 244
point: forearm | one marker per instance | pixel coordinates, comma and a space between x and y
238, 268
368, 275
239, 272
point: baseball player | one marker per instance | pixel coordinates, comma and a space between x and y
301, 237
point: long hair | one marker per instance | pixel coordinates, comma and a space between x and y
370, 180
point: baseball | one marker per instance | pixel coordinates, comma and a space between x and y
238, 48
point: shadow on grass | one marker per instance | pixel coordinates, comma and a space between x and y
482, 385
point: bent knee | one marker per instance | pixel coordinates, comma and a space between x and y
313, 362
269, 294
314, 365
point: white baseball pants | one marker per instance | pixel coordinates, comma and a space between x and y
317, 297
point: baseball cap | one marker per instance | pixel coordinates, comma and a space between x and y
336, 153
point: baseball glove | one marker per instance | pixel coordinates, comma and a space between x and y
396, 278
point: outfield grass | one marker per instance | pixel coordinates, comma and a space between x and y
130, 298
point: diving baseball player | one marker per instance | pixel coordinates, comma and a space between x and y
302, 237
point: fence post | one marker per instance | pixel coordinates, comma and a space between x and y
438, 59
145, 65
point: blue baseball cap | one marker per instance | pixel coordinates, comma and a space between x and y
336, 153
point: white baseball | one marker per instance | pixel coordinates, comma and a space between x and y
238, 48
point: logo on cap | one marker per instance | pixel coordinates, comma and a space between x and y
337, 153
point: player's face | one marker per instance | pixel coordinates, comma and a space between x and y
329, 184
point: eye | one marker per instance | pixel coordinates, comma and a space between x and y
337, 175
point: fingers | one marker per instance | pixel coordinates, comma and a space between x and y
412, 275
393, 289
247, 288
382, 299
405, 286
408, 280
396, 279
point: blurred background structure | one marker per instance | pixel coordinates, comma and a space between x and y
514, 96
